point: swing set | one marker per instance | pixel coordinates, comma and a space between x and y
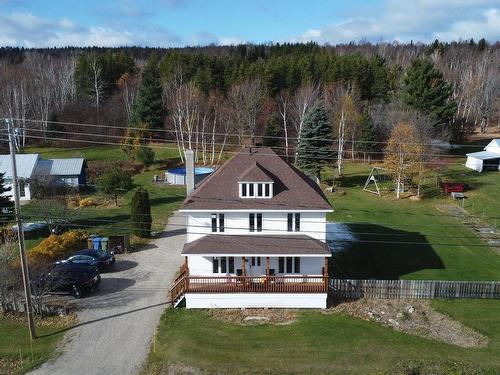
380, 178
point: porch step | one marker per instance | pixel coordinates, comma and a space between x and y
178, 300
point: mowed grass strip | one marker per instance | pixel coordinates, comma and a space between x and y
15, 348
320, 343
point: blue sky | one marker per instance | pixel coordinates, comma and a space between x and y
169, 23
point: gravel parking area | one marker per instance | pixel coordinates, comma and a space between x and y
117, 323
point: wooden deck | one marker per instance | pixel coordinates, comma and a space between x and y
257, 284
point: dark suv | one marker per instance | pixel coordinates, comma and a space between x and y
69, 278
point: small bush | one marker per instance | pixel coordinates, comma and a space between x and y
58, 246
145, 155
87, 202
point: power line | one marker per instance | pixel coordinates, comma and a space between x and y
225, 151
225, 134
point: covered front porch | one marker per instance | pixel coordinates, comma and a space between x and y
253, 265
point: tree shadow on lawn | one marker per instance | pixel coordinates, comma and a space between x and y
166, 200
388, 254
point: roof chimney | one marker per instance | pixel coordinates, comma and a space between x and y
189, 170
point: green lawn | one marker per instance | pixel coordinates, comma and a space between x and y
97, 152
115, 220
15, 343
322, 343
409, 239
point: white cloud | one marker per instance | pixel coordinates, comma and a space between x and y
28, 30
422, 20
230, 41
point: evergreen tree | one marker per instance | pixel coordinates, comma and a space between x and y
6, 204
141, 213
481, 45
148, 106
426, 90
368, 136
273, 132
314, 149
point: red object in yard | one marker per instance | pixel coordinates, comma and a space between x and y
453, 187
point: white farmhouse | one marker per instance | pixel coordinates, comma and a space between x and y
489, 159
255, 237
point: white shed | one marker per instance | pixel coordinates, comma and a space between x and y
486, 160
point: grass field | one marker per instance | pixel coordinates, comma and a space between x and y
322, 343
116, 220
410, 239
15, 349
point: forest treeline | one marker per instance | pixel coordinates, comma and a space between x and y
214, 97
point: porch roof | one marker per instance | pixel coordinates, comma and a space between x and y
263, 245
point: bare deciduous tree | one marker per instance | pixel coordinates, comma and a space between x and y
304, 97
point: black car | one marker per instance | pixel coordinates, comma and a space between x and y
69, 278
99, 259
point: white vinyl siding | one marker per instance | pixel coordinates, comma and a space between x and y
312, 224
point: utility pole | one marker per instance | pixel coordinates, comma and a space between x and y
20, 232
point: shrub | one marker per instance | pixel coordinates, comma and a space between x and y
141, 213
58, 246
145, 155
115, 183
87, 202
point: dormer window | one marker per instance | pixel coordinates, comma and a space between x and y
256, 190
256, 182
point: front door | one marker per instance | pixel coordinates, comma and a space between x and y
257, 266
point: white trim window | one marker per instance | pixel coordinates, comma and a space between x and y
217, 223
288, 265
223, 265
293, 222
255, 222
256, 190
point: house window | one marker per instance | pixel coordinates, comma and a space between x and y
255, 190
217, 223
215, 265
214, 222
293, 222
296, 265
292, 264
259, 190
223, 265
297, 222
289, 264
255, 261
255, 222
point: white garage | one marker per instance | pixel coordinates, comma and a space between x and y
486, 160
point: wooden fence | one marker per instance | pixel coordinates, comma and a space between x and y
413, 289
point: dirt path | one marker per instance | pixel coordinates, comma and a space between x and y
117, 323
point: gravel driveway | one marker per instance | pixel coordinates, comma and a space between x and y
116, 324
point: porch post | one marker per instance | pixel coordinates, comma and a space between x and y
267, 271
244, 269
325, 275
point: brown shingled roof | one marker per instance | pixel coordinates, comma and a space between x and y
256, 173
256, 244
293, 190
